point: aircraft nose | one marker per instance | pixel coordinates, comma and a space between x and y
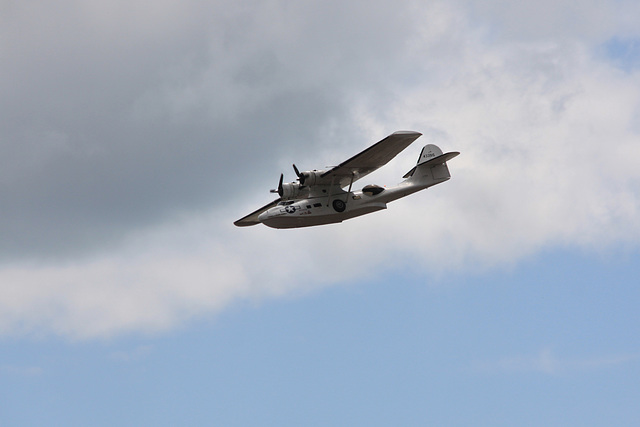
264, 215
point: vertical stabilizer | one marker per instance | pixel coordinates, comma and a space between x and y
429, 152
432, 166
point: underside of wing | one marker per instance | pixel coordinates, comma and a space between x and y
370, 159
252, 218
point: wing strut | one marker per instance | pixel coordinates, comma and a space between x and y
349, 190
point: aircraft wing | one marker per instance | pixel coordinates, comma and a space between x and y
370, 159
252, 218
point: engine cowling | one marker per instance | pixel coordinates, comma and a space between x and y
309, 177
290, 190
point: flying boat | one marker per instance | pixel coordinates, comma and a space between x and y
320, 197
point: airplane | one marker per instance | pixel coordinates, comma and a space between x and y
318, 196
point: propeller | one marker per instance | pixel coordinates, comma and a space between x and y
301, 176
279, 190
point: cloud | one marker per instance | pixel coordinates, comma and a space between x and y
555, 20
548, 145
130, 145
546, 362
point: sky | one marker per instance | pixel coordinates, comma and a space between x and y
134, 133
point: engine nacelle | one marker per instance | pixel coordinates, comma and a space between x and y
290, 190
310, 177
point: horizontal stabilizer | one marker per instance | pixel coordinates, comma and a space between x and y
443, 158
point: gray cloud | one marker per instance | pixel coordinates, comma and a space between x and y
117, 118
132, 137
556, 20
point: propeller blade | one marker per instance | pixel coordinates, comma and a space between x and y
279, 190
300, 176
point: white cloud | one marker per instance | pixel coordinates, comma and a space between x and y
548, 134
542, 129
547, 362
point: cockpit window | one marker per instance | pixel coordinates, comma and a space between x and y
285, 203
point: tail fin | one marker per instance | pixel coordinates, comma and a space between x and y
429, 152
431, 166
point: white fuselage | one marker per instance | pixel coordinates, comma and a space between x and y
319, 197
337, 206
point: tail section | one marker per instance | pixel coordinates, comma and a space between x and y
431, 167
429, 152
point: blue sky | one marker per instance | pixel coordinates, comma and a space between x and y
624, 53
550, 342
133, 135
